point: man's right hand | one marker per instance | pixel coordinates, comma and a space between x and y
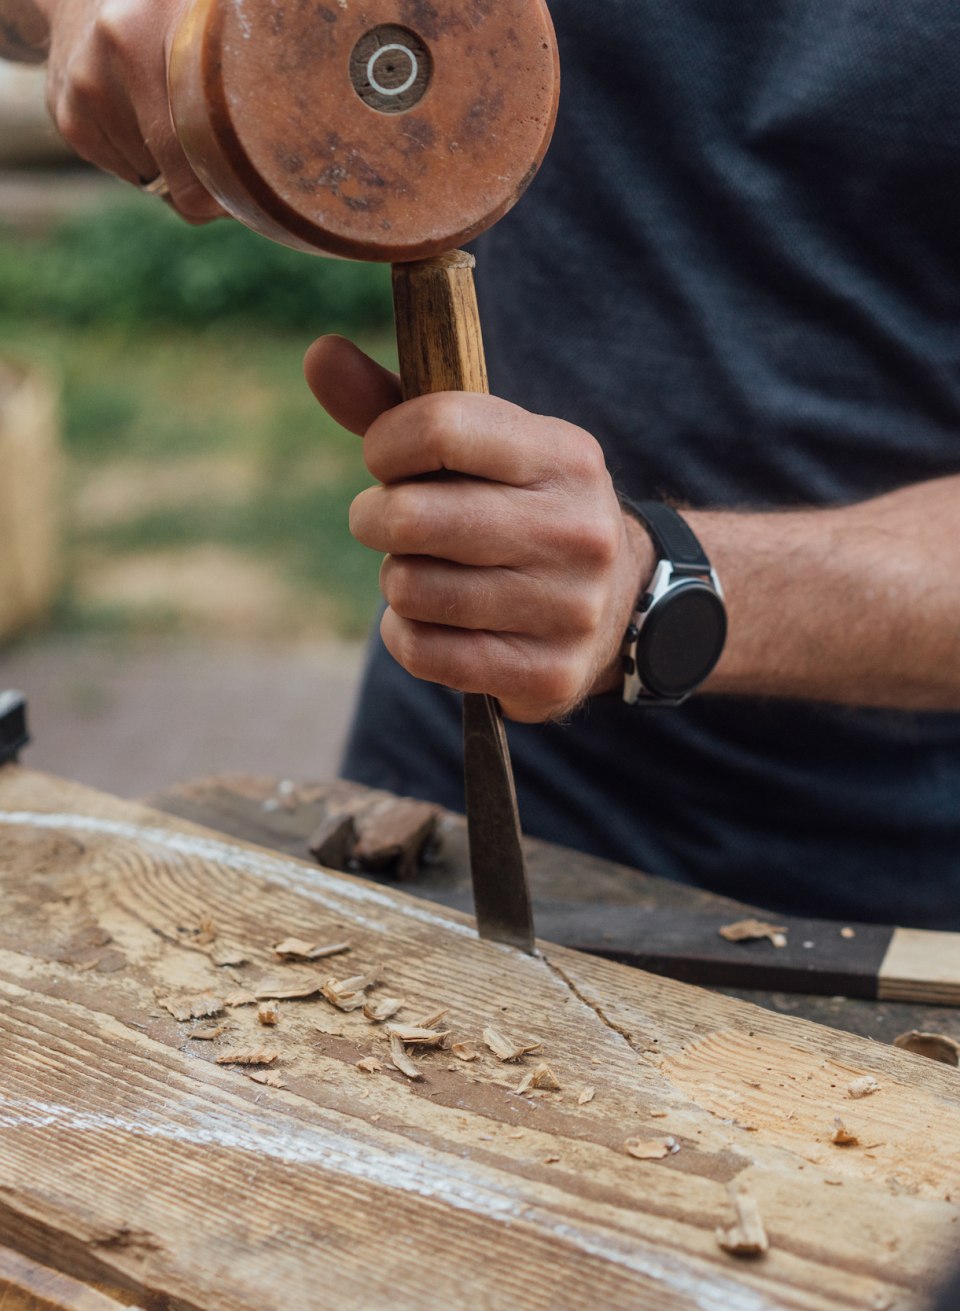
107, 92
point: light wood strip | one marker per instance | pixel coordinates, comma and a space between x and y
921, 965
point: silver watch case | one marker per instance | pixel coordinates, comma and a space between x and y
667, 579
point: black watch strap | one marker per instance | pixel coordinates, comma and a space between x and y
673, 538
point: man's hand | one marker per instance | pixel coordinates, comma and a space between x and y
510, 568
107, 92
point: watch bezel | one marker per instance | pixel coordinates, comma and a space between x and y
668, 581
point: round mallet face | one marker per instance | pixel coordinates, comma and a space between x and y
373, 129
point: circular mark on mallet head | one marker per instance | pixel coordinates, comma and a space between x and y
391, 69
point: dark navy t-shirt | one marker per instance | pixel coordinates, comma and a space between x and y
740, 269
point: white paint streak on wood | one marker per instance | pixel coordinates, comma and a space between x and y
331, 890
451, 1181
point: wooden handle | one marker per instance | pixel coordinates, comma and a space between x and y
439, 340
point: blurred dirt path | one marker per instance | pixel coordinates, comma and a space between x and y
131, 715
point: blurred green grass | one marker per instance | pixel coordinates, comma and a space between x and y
174, 346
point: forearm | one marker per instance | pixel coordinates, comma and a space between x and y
24, 31
858, 605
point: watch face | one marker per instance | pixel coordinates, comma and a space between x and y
682, 639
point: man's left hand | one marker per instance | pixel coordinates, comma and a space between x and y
510, 567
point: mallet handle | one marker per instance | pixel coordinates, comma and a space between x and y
440, 344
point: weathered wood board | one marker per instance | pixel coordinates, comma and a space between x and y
129, 1159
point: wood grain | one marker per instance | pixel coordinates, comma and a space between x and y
129, 1158
921, 965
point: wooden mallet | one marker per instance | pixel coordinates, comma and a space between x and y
394, 131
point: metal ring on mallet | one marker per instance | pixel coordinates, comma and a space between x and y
393, 132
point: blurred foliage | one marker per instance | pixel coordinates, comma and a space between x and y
176, 344
133, 263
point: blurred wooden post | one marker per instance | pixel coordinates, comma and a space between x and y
30, 511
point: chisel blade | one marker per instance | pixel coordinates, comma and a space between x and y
500, 890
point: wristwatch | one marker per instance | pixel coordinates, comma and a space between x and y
679, 627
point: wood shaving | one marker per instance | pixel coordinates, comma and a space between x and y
464, 1052
343, 999
842, 1135
240, 997
935, 1046
192, 1008
298, 949
269, 1077
414, 1036
863, 1086
747, 1237
542, 1078
551, 1160
401, 1061
751, 930
249, 1056
360, 982
269, 1014
586, 1095
370, 1065
432, 1020
651, 1149
848, 933
208, 1035
376, 1010
223, 953
507, 1049
658, 1115
288, 989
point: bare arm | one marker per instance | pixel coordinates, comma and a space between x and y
858, 605
520, 580
24, 33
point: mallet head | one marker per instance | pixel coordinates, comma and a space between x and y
388, 130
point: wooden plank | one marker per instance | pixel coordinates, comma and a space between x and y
130, 1157
657, 924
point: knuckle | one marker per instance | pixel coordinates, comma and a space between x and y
114, 31
441, 420
584, 612
400, 586
406, 521
595, 540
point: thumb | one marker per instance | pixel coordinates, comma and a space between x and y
351, 387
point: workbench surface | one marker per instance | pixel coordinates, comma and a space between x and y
130, 1159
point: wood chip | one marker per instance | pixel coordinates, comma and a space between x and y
747, 1237
464, 1051
848, 933
842, 1135
551, 1160
341, 998
360, 982
751, 930
269, 1014
935, 1046
651, 1149
224, 953
863, 1086
414, 1036
586, 1095
378, 1009
269, 1077
249, 1056
401, 1061
192, 1008
431, 1020
208, 1034
507, 1049
542, 1078
370, 1065
240, 997
298, 949
288, 988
